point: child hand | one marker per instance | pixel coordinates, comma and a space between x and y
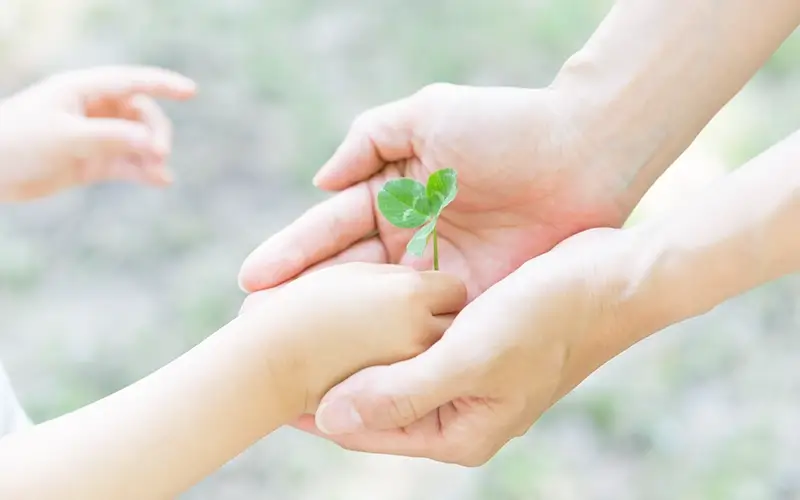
87, 126
351, 316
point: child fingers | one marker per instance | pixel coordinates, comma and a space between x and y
119, 149
444, 293
437, 326
123, 81
111, 137
145, 109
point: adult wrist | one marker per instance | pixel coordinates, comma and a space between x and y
654, 74
613, 125
614, 298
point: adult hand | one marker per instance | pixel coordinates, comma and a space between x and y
534, 167
509, 355
529, 173
534, 336
86, 126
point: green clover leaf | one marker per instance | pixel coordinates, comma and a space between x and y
404, 203
407, 204
441, 190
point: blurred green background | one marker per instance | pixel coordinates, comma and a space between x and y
100, 286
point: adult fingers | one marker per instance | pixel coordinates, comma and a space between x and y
379, 136
464, 434
322, 232
388, 442
394, 396
123, 81
370, 250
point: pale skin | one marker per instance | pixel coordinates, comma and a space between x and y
164, 433
80, 127
157, 437
535, 168
579, 305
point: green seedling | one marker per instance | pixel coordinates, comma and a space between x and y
408, 204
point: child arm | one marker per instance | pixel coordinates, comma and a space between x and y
165, 432
157, 437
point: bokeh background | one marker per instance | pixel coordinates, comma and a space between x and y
100, 286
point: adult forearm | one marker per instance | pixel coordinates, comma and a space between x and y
162, 434
740, 234
656, 71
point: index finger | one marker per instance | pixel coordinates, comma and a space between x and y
123, 81
400, 442
322, 232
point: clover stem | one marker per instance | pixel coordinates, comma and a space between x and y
435, 250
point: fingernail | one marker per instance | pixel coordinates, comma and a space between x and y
338, 418
319, 176
325, 169
259, 274
242, 287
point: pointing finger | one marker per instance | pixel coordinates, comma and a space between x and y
123, 81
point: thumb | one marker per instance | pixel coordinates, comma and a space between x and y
390, 397
379, 136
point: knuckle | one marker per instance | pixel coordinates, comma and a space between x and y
412, 288
401, 411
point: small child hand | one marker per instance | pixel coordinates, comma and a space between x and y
354, 315
87, 126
